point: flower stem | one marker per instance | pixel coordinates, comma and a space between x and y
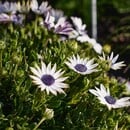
40, 122
15, 70
35, 25
0, 61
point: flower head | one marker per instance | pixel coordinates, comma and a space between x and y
42, 9
57, 14
49, 21
8, 7
105, 98
79, 26
80, 65
17, 19
63, 27
112, 61
48, 79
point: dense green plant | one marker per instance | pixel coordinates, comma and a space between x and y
23, 106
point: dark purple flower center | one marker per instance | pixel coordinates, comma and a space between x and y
80, 67
110, 99
47, 79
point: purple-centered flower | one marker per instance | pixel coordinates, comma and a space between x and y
63, 27
49, 21
48, 79
105, 98
80, 65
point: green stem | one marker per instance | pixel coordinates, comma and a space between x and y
35, 25
15, 70
0, 61
41, 121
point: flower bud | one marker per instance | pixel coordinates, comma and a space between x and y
16, 58
107, 48
49, 113
2, 45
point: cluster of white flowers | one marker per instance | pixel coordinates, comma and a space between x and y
49, 79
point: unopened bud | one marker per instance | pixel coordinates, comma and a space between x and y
107, 48
2, 45
49, 113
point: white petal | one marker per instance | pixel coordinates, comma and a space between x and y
35, 72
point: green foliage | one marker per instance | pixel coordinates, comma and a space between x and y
23, 105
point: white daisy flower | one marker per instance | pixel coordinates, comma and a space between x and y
8, 7
105, 98
80, 27
48, 78
112, 61
57, 14
80, 65
49, 21
42, 9
80, 34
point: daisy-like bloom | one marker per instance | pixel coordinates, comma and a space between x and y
49, 21
105, 98
57, 14
48, 79
80, 65
81, 35
17, 19
42, 9
112, 61
79, 32
4, 18
8, 7
79, 26
63, 27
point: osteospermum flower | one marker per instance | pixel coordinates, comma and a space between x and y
112, 61
49, 21
79, 26
48, 79
40, 9
8, 7
17, 19
57, 14
105, 98
80, 65
63, 27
